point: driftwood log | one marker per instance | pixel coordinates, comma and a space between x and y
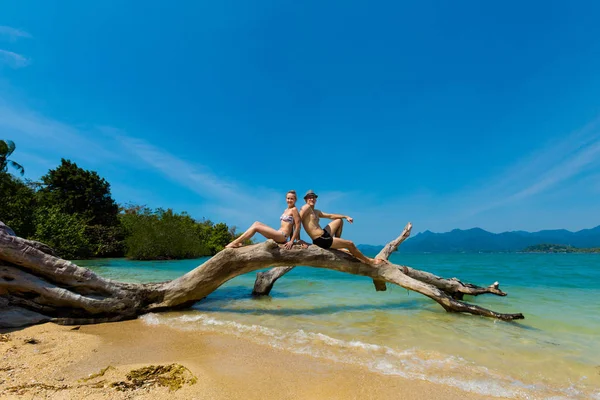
453, 287
36, 286
265, 280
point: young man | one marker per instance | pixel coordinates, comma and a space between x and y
330, 237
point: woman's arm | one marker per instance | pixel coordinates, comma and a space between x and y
297, 228
297, 224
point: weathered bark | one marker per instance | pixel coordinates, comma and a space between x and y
387, 251
265, 280
453, 286
39, 286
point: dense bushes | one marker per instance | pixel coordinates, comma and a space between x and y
63, 232
78, 191
17, 204
162, 234
105, 241
72, 211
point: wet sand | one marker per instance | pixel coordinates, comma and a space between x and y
50, 361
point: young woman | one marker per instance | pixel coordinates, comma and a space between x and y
290, 222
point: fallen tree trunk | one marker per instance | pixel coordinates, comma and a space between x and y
265, 280
453, 286
36, 286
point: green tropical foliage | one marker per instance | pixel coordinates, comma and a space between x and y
79, 191
106, 241
558, 248
72, 210
219, 237
162, 234
65, 233
17, 204
7, 147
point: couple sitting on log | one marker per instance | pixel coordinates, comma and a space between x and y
289, 232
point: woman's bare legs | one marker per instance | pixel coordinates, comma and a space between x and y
347, 244
258, 227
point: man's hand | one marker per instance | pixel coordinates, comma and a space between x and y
349, 219
289, 244
303, 244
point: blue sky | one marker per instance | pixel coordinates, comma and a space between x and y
446, 114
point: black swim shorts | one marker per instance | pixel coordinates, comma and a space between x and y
324, 241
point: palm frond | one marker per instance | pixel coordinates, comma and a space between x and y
17, 166
7, 147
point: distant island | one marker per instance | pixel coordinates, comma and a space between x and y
557, 248
477, 240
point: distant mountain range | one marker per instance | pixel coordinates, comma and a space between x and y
477, 239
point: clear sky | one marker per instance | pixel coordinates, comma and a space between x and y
447, 114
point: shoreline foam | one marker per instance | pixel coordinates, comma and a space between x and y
227, 367
411, 363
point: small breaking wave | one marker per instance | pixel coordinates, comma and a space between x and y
407, 363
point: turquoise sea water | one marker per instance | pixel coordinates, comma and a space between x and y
553, 353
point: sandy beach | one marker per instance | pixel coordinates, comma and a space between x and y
51, 361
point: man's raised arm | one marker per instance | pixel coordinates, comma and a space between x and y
334, 216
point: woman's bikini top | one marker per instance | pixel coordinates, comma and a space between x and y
287, 218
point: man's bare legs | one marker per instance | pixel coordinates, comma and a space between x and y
335, 228
258, 227
339, 243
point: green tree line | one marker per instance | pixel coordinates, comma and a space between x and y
71, 209
559, 248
